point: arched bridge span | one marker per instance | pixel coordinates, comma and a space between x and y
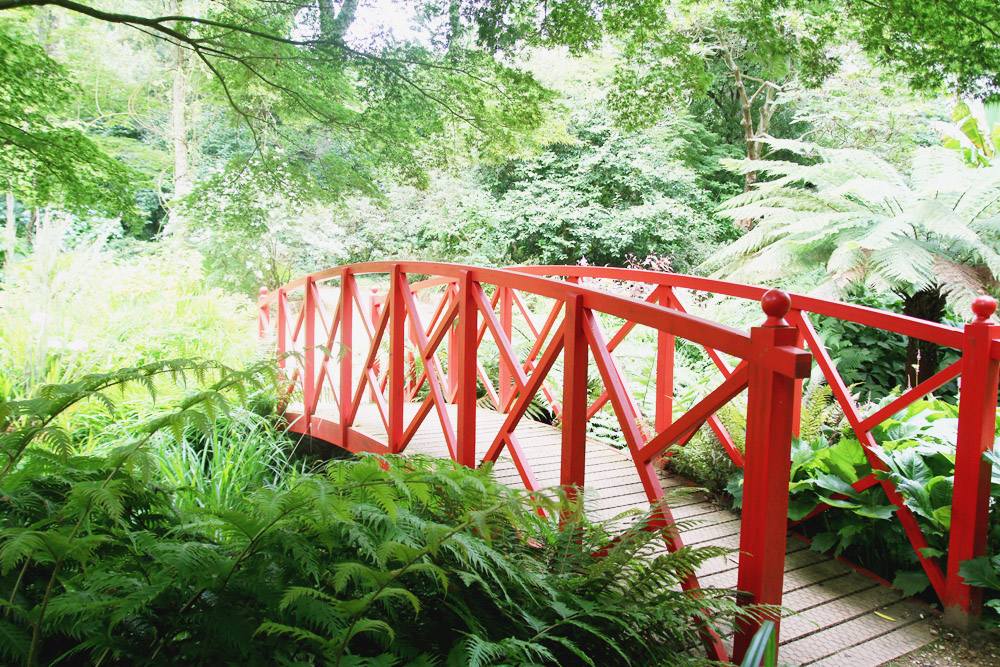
419, 329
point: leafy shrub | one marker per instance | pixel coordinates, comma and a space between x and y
372, 561
68, 313
918, 448
871, 357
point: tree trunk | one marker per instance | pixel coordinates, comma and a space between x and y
10, 232
922, 356
29, 228
333, 26
753, 134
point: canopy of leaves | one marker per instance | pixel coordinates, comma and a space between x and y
42, 158
334, 112
932, 43
673, 53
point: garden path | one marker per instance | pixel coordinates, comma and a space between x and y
840, 617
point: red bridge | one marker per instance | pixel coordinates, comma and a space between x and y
359, 366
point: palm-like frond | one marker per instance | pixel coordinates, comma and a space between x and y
858, 216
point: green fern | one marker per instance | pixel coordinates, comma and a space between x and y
866, 223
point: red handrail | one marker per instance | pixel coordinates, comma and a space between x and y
771, 369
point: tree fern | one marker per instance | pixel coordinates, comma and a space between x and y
907, 226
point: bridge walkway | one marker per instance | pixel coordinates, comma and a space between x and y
838, 617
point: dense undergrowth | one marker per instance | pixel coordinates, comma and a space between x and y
114, 552
917, 447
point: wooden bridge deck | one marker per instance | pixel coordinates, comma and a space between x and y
840, 618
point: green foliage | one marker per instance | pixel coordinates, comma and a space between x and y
978, 145
703, 459
46, 159
917, 446
932, 43
372, 561
862, 106
711, 56
69, 313
873, 359
864, 222
985, 572
602, 196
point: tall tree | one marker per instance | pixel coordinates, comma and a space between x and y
335, 113
178, 113
737, 54
10, 231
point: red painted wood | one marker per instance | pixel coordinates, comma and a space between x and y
370, 374
282, 328
800, 342
465, 370
348, 289
666, 345
452, 347
263, 313
309, 307
574, 422
432, 370
535, 382
721, 432
724, 338
509, 367
763, 528
908, 326
397, 357
325, 374
971, 502
616, 389
373, 316
691, 420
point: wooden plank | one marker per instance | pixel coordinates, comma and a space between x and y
830, 642
835, 624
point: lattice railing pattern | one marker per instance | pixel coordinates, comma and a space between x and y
427, 337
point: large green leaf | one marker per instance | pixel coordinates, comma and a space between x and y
911, 583
982, 571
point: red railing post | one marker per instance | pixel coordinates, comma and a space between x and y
397, 358
263, 314
453, 369
977, 415
506, 326
764, 525
574, 417
800, 342
309, 351
665, 348
346, 351
282, 327
373, 315
464, 364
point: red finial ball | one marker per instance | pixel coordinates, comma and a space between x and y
263, 291
984, 306
776, 303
